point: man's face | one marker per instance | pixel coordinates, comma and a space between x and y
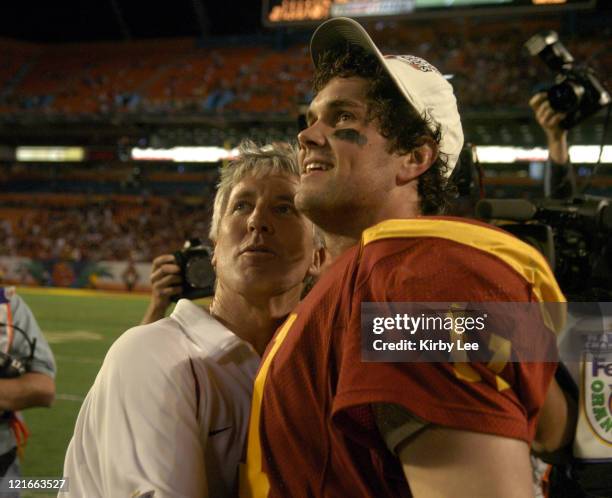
263, 245
346, 169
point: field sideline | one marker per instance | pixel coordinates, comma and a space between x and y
80, 327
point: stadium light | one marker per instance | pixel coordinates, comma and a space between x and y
184, 154
50, 154
579, 154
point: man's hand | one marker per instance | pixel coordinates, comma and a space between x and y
549, 120
165, 283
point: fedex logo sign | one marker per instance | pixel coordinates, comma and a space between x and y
600, 367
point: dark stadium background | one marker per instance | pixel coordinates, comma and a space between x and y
149, 207
58, 22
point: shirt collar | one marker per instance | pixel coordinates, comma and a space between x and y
205, 331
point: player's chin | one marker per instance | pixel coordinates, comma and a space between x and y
303, 199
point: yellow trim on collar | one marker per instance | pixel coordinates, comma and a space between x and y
520, 256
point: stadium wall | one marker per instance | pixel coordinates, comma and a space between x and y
105, 275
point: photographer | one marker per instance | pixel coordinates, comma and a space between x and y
582, 467
165, 283
27, 375
560, 181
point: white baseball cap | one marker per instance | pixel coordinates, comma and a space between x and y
420, 82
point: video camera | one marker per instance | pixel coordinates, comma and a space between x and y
575, 236
577, 91
197, 272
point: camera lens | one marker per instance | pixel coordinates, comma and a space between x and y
566, 96
199, 272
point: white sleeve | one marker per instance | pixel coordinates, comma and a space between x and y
139, 429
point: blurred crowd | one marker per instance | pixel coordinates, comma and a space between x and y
487, 61
102, 231
489, 69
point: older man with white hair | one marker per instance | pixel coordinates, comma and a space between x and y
167, 414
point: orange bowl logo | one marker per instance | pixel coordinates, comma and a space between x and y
597, 396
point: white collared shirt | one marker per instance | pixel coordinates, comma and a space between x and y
168, 412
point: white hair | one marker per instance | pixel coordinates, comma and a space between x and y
279, 157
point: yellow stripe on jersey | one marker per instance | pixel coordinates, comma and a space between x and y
254, 482
521, 257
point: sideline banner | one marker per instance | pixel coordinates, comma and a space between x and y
107, 275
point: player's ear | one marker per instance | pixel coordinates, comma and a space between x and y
319, 257
417, 161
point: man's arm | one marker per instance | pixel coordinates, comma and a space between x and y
30, 390
139, 428
561, 183
440, 462
36, 387
549, 119
165, 283
557, 421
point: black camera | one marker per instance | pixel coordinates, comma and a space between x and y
11, 367
577, 91
197, 272
575, 236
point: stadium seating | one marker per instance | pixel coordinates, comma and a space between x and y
178, 76
98, 228
116, 209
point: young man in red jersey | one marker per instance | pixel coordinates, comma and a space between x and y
383, 136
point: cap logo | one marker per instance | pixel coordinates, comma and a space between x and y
415, 62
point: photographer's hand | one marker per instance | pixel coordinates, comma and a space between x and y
549, 120
165, 283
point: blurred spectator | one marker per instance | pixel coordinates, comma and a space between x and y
101, 232
485, 57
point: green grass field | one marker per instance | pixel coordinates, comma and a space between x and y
80, 327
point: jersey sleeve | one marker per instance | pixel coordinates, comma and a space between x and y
43, 360
138, 429
469, 396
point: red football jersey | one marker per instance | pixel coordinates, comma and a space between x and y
312, 431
